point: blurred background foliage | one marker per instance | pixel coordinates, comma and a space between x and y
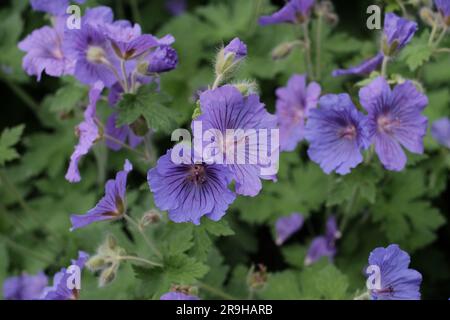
374, 207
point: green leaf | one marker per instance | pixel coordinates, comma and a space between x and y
283, 285
178, 238
67, 98
151, 105
4, 261
417, 52
323, 281
217, 228
10, 137
294, 255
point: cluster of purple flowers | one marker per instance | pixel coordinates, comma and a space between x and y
101, 53
34, 287
338, 132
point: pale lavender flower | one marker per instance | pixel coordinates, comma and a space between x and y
178, 296
162, 59
395, 120
398, 282
121, 135
60, 289
112, 206
440, 131
176, 7
88, 133
293, 105
324, 246
294, 11
366, 67
237, 48
337, 134
286, 226
25, 287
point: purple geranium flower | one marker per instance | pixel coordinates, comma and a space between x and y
440, 131
54, 7
293, 105
25, 287
112, 206
394, 120
61, 289
285, 227
176, 7
225, 109
324, 246
120, 135
162, 59
365, 67
444, 8
178, 296
44, 52
398, 282
295, 11
87, 131
237, 48
397, 34
91, 49
337, 133
190, 190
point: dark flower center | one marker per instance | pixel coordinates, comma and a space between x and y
120, 209
197, 174
388, 290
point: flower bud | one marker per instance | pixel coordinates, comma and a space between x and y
151, 217
107, 276
257, 279
139, 127
229, 57
427, 16
96, 263
283, 50
246, 87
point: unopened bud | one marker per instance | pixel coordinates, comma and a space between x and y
229, 57
151, 217
246, 87
96, 263
257, 279
284, 49
142, 67
107, 276
427, 16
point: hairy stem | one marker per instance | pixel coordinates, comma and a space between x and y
139, 259
144, 236
215, 291
319, 46
308, 59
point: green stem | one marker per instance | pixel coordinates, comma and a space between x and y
217, 81
433, 34
307, 41
441, 37
126, 146
319, 47
144, 236
135, 11
384, 66
363, 296
443, 50
139, 259
349, 209
124, 75
215, 291
23, 95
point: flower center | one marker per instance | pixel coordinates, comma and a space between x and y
197, 174
348, 132
386, 124
96, 54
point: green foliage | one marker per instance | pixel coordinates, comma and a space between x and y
8, 138
150, 104
418, 51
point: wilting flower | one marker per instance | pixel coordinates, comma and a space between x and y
295, 11
62, 285
112, 206
24, 287
190, 190
120, 135
398, 282
324, 246
394, 120
88, 133
337, 134
444, 8
176, 7
440, 131
293, 105
397, 34
225, 109
178, 296
285, 227
54, 7
44, 52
